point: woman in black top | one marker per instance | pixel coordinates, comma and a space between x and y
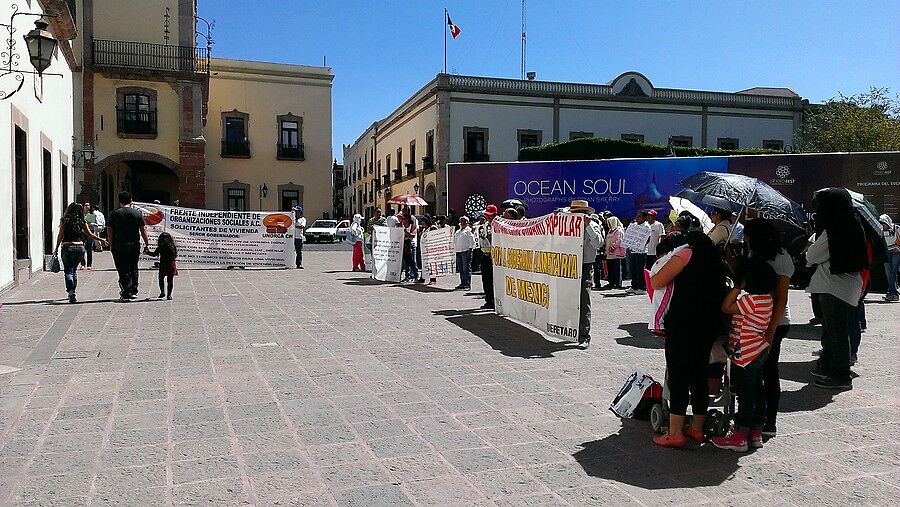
71, 228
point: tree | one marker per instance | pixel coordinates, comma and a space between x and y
863, 122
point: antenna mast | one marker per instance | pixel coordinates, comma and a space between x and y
523, 39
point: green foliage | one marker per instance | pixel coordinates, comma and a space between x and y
597, 148
863, 122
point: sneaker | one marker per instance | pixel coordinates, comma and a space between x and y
833, 383
169, 298
72, 298
817, 353
669, 441
639, 291
697, 435
161, 295
90, 268
754, 439
735, 441
769, 431
818, 373
584, 342
299, 267
891, 298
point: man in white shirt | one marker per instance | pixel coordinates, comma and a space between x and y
464, 242
638, 258
657, 231
299, 227
392, 220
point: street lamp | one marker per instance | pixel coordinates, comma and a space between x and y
263, 193
416, 189
41, 45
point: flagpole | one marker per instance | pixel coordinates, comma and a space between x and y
445, 39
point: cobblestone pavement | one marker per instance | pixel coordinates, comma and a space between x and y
321, 387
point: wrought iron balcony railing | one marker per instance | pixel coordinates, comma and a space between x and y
476, 157
145, 56
397, 175
136, 122
290, 152
410, 169
427, 163
386, 180
236, 148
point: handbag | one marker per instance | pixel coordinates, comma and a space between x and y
54, 265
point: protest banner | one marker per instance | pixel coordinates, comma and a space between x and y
387, 253
223, 238
537, 271
636, 237
438, 255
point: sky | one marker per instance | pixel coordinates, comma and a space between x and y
382, 51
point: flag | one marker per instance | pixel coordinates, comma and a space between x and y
454, 30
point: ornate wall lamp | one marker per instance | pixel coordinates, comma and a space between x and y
40, 44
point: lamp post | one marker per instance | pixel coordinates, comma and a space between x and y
263, 193
416, 189
40, 44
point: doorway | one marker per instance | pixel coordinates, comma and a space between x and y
21, 199
46, 162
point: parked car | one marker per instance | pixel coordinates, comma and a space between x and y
343, 230
322, 230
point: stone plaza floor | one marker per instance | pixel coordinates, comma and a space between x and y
323, 387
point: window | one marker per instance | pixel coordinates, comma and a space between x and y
773, 144
686, 141
64, 185
47, 160
428, 159
411, 166
234, 139
727, 143
289, 199
635, 138
136, 112
399, 158
235, 195
476, 144
529, 138
579, 135
21, 189
290, 139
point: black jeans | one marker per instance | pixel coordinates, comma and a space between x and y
584, 324
636, 270
748, 384
126, 262
615, 272
771, 379
687, 361
836, 316
487, 279
298, 248
598, 270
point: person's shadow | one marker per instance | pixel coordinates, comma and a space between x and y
808, 397
362, 281
505, 336
630, 457
641, 337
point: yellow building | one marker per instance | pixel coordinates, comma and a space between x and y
166, 122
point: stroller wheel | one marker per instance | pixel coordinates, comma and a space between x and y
714, 424
659, 419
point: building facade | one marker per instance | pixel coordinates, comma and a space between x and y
36, 168
167, 122
337, 188
479, 119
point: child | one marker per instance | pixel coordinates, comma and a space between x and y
750, 304
166, 251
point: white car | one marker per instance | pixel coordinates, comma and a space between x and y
322, 230
343, 230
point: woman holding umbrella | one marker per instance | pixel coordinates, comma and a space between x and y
839, 254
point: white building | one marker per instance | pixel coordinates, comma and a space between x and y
36, 171
477, 119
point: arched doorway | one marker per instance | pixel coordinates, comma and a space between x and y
430, 197
149, 177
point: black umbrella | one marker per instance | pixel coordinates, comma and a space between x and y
748, 193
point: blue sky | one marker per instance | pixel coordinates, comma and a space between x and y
383, 51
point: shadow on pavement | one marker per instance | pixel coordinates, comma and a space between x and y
805, 332
362, 281
808, 397
641, 337
630, 457
58, 302
505, 336
421, 287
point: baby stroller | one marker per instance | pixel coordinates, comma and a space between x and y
721, 400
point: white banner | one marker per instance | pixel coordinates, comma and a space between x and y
537, 271
223, 238
387, 253
438, 255
636, 237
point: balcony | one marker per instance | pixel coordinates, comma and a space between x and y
289, 152
427, 163
236, 149
398, 175
476, 157
147, 57
139, 124
410, 169
386, 180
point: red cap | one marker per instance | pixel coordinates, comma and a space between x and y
652, 212
490, 210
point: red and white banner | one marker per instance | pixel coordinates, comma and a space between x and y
537, 271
